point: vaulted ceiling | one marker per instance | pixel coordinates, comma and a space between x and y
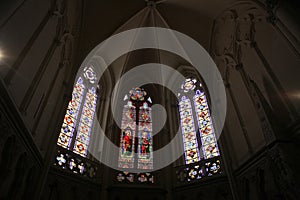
191, 17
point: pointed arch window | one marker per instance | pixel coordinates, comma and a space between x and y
78, 121
136, 123
194, 110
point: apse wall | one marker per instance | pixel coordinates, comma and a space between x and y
256, 47
38, 41
255, 44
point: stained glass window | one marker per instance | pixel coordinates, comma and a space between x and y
145, 156
69, 124
90, 74
188, 131
206, 130
136, 122
206, 146
86, 122
78, 121
188, 85
137, 94
126, 155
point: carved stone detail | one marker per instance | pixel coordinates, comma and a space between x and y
283, 175
224, 33
271, 6
246, 19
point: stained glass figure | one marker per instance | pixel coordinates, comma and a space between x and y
136, 119
145, 155
126, 154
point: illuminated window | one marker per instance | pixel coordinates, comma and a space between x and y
78, 122
194, 109
136, 122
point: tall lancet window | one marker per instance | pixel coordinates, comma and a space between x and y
199, 143
78, 122
136, 123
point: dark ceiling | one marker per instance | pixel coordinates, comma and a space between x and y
192, 17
